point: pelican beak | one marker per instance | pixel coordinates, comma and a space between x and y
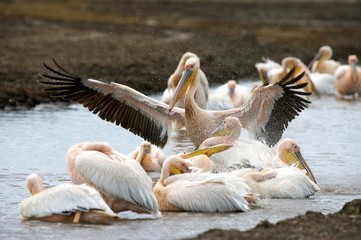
221, 130
174, 170
208, 151
300, 162
187, 78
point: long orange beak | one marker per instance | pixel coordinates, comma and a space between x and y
182, 87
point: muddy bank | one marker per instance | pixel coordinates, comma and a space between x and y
138, 43
345, 224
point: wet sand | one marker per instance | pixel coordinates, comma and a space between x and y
139, 43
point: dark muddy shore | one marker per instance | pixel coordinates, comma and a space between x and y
139, 43
345, 224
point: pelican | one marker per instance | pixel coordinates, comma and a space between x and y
322, 62
287, 63
201, 95
234, 92
285, 182
250, 153
264, 67
64, 203
348, 78
323, 82
180, 190
265, 115
285, 175
151, 157
121, 180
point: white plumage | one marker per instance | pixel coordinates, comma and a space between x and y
63, 199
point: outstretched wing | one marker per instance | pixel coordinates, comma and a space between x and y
115, 103
268, 112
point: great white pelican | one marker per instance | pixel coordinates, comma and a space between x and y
265, 115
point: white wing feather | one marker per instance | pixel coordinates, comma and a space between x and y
206, 192
124, 179
63, 199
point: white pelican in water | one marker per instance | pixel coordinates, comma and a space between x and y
151, 157
322, 62
234, 92
250, 153
348, 78
180, 190
264, 67
285, 175
265, 115
64, 203
288, 63
121, 180
285, 182
201, 95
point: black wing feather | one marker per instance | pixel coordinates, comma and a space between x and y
285, 109
68, 86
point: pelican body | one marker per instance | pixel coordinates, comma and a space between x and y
64, 203
121, 180
150, 157
288, 63
348, 78
285, 182
180, 190
265, 115
322, 61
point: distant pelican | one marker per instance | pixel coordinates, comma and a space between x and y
64, 203
265, 115
288, 63
122, 181
201, 95
180, 190
264, 67
234, 92
324, 83
322, 62
348, 78
150, 157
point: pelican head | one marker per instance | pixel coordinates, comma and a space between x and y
324, 53
227, 127
290, 153
352, 60
146, 147
192, 66
231, 86
174, 165
34, 183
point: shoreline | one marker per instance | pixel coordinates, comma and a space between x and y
140, 44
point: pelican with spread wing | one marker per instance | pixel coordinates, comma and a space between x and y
265, 115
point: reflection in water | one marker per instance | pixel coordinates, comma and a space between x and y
37, 141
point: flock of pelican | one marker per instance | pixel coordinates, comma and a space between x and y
225, 173
324, 75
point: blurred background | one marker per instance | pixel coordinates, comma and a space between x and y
139, 43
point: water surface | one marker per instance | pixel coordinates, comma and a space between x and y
37, 141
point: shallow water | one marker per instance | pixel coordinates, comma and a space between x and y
37, 141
